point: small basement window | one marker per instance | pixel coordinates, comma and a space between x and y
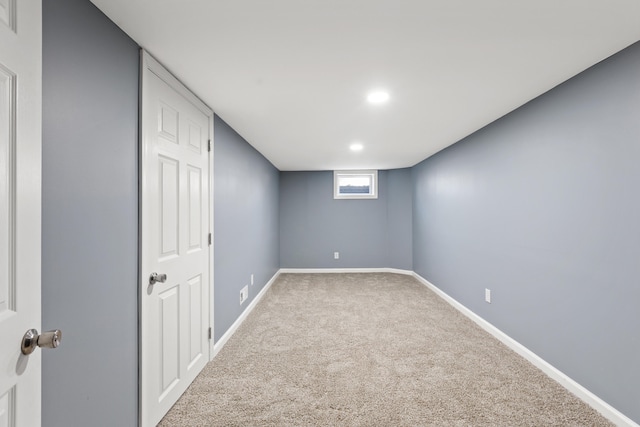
355, 184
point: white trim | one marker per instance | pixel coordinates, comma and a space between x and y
582, 393
232, 330
346, 270
151, 64
213, 238
373, 184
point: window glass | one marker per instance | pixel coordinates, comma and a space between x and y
355, 185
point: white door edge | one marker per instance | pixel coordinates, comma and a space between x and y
213, 240
20, 209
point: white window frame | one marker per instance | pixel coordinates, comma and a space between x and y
372, 175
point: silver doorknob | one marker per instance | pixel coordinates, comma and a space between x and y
31, 340
157, 278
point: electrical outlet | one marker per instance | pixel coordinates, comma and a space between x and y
244, 294
252, 280
487, 295
336, 255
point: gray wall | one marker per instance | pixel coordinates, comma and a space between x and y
89, 217
400, 218
368, 233
245, 223
543, 208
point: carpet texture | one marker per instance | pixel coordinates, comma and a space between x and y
369, 350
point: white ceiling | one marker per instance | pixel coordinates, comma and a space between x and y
291, 76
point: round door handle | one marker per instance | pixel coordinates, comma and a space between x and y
157, 278
31, 340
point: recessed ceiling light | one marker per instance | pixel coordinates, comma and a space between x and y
356, 147
378, 97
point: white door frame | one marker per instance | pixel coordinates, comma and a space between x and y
149, 64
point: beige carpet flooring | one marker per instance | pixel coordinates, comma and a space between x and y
369, 350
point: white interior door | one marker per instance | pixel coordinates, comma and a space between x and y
175, 227
20, 201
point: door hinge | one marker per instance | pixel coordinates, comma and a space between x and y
210, 239
209, 332
209, 146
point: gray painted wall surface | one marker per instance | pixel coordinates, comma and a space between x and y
89, 217
368, 233
245, 224
400, 218
543, 208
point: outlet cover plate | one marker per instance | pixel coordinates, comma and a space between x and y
244, 294
487, 295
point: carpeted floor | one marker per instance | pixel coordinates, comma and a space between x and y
369, 350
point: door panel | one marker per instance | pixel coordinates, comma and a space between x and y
20, 202
6, 408
175, 194
169, 207
195, 209
196, 320
170, 339
20, 207
7, 13
195, 137
7, 179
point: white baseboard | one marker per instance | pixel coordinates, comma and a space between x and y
232, 330
585, 395
346, 270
